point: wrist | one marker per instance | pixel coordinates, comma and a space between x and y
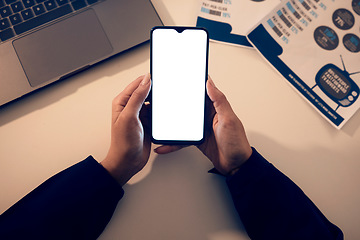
240, 162
232, 172
116, 171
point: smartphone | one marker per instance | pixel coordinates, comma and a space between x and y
179, 70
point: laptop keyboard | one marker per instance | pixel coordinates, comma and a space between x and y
19, 16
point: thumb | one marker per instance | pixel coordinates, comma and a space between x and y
139, 95
221, 104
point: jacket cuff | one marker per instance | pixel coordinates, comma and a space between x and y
94, 166
253, 170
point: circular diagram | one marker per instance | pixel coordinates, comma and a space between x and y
343, 19
356, 6
352, 42
326, 38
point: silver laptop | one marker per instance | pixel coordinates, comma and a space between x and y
42, 41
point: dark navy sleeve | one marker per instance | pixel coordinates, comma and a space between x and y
271, 206
76, 203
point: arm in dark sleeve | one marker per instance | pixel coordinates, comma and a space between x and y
76, 203
271, 206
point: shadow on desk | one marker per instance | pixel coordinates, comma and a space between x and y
353, 125
177, 200
58, 90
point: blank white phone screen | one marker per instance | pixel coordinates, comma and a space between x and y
179, 64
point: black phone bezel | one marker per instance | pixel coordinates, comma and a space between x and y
178, 142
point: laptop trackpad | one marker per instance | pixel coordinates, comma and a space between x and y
61, 48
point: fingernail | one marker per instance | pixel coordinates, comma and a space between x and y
146, 79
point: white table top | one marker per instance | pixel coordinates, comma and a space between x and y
174, 197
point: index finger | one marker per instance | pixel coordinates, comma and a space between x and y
164, 149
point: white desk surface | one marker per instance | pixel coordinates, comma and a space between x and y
174, 197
